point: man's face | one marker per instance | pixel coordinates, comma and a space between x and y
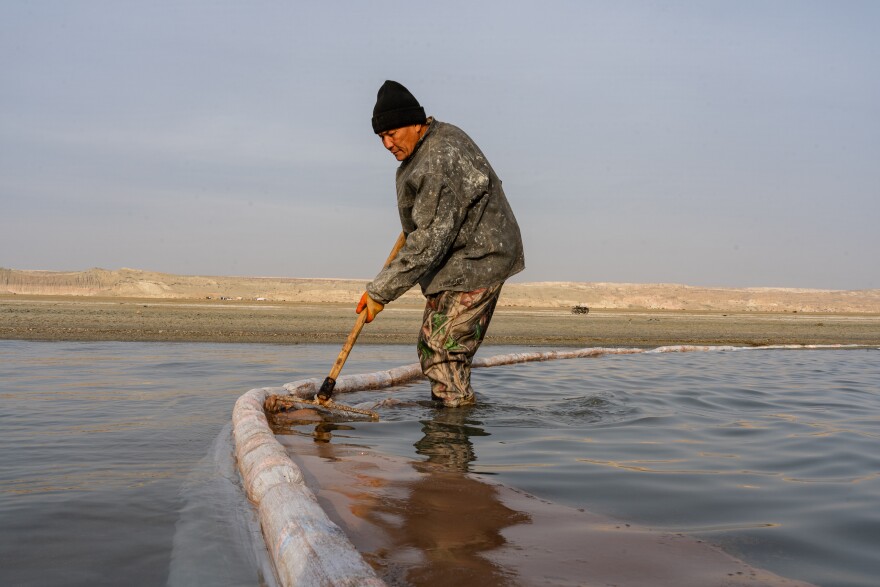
401, 141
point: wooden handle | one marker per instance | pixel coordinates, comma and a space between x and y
362, 318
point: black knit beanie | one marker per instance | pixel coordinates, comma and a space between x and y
396, 107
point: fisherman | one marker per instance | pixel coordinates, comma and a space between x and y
462, 239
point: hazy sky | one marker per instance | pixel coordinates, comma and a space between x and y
708, 143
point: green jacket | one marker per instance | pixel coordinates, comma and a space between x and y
461, 234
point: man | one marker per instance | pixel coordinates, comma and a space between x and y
462, 240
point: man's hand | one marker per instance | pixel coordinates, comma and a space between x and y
370, 305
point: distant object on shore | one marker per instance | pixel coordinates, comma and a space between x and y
133, 283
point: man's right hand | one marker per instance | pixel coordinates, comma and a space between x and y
370, 305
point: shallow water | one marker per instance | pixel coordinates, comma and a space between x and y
772, 454
115, 459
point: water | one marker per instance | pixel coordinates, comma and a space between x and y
115, 458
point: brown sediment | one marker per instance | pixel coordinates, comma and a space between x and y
430, 523
141, 319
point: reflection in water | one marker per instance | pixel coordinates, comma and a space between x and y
436, 521
446, 442
325, 424
448, 516
324, 431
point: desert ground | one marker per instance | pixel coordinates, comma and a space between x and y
142, 319
133, 305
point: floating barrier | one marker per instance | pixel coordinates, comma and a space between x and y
307, 548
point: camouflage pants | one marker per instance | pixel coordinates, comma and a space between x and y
453, 328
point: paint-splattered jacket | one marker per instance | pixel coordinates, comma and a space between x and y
461, 234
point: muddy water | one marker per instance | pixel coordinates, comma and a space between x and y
428, 523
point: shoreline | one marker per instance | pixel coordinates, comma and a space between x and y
80, 318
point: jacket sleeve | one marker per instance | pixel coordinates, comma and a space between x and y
437, 216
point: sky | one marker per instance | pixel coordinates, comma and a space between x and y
728, 144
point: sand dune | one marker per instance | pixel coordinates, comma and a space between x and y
130, 283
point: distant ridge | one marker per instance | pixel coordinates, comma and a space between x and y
148, 284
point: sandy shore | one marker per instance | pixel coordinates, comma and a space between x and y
25, 317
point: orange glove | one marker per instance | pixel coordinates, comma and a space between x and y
372, 306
